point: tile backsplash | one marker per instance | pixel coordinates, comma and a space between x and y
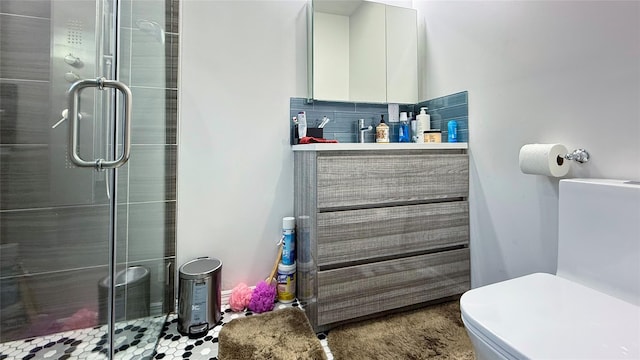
446, 108
344, 116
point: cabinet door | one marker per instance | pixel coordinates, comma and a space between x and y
367, 62
370, 234
330, 57
355, 291
402, 55
365, 180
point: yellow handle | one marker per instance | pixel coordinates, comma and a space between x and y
269, 280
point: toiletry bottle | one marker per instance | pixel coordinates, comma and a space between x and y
413, 124
289, 240
403, 131
452, 129
294, 136
302, 124
423, 124
382, 131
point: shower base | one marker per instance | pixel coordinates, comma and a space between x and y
135, 339
142, 339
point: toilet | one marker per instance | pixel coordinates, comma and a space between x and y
590, 309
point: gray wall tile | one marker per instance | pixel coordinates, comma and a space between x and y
125, 13
344, 116
151, 232
55, 296
450, 112
163, 12
152, 173
372, 108
39, 8
172, 70
447, 108
55, 239
154, 116
299, 104
445, 101
151, 61
124, 66
173, 6
463, 129
24, 48
24, 177
157, 11
35, 176
333, 106
24, 119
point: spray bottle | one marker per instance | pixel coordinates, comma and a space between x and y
289, 239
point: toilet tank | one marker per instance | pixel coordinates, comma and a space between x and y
599, 235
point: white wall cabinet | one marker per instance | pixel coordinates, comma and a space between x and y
365, 52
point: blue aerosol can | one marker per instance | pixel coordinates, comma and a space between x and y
289, 240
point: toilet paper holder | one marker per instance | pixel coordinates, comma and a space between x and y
579, 155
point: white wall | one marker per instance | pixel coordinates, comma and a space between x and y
546, 72
241, 61
536, 72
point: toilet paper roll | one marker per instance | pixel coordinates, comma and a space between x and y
544, 159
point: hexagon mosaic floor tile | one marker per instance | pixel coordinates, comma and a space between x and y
135, 340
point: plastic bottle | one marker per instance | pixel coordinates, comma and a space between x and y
302, 124
289, 237
452, 129
423, 124
414, 127
286, 282
382, 131
403, 130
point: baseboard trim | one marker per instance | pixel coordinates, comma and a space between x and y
224, 298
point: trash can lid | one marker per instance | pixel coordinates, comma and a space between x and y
197, 268
126, 277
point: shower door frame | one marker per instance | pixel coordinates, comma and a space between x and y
155, 260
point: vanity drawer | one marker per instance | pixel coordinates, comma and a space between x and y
367, 234
348, 181
355, 291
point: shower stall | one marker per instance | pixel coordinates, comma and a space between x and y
88, 122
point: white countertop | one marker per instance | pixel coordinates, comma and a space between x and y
376, 146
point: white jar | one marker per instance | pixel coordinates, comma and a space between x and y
286, 282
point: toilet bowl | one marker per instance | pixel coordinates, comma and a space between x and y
590, 309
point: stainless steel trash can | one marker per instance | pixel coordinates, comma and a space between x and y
133, 294
199, 302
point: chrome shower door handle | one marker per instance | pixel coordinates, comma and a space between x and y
73, 95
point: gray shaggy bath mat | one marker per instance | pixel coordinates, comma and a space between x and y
434, 333
278, 335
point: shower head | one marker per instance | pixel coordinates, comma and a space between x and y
152, 28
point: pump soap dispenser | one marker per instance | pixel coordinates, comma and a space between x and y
382, 131
423, 123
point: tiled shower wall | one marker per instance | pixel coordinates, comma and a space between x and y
53, 250
344, 116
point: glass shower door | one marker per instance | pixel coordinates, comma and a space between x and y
64, 229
